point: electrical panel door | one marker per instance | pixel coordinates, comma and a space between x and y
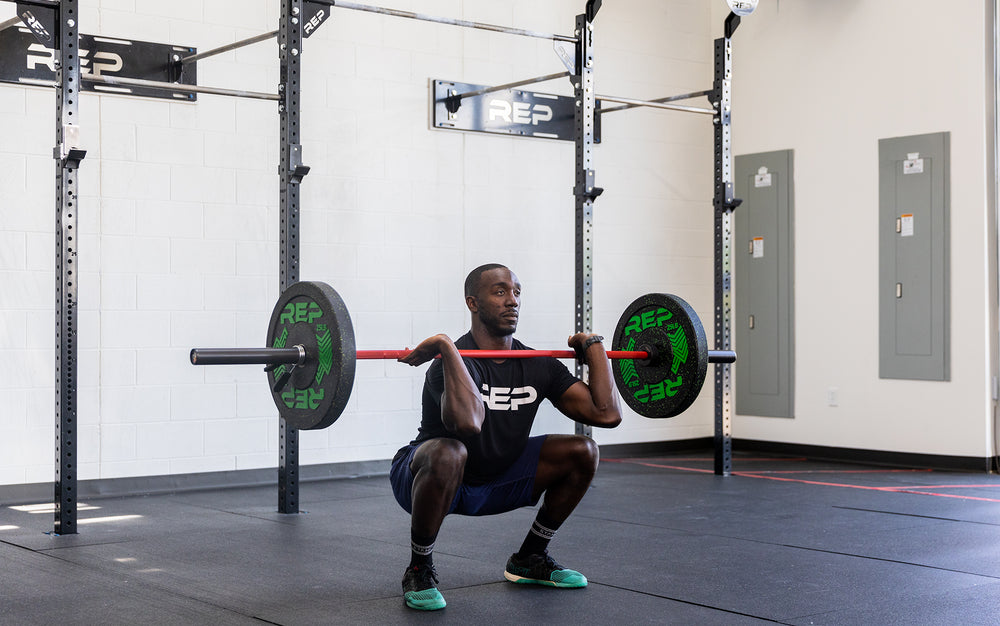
913, 257
763, 253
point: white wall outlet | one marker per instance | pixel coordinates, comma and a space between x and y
833, 396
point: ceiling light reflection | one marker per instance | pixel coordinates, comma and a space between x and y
110, 518
49, 508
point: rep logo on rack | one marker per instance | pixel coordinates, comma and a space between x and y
313, 23
102, 62
36, 26
519, 112
26, 57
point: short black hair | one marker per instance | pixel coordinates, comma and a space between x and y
472, 280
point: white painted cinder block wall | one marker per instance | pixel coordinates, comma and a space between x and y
179, 222
828, 79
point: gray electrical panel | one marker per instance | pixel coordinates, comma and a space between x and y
914, 326
763, 253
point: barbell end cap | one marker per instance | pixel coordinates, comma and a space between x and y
721, 356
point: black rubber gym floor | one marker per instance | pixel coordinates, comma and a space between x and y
662, 540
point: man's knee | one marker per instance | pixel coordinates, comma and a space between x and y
570, 454
441, 460
586, 453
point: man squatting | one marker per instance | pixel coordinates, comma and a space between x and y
473, 454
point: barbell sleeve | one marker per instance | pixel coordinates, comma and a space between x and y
721, 356
297, 355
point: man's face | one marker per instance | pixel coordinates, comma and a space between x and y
497, 302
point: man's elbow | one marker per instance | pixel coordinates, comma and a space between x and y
609, 418
463, 426
466, 430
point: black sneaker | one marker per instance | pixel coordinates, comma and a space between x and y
541, 569
419, 590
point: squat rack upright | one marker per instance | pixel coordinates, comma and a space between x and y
299, 19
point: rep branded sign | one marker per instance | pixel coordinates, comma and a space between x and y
27, 58
517, 112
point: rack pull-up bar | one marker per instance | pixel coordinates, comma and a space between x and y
444, 20
228, 47
683, 96
517, 83
655, 105
155, 84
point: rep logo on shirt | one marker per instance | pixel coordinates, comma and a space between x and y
507, 399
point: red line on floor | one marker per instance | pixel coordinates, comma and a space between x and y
658, 465
993, 486
943, 495
889, 489
866, 487
708, 459
883, 471
807, 482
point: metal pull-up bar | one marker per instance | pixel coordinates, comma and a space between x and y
340, 4
517, 83
653, 104
683, 96
227, 48
155, 84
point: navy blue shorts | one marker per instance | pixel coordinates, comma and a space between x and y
511, 490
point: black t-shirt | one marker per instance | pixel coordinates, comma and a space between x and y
512, 392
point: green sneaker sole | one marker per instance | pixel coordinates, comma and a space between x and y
571, 580
427, 600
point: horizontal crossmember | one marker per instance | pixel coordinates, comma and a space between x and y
179, 87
